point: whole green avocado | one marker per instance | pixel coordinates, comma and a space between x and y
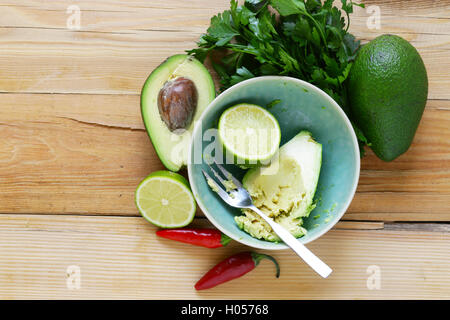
387, 89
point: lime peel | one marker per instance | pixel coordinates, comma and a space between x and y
249, 133
165, 199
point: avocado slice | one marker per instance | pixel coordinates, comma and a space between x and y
387, 89
285, 189
172, 99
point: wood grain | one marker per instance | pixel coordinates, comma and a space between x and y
73, 148
119, 44
87, 155
70, 155
120, 257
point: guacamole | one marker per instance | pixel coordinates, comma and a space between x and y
285, 189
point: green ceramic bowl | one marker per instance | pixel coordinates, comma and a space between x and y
303, 107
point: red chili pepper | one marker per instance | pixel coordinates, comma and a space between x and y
209, 238
232, 268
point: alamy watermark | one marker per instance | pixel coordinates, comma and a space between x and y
374, 20
73, 277
374, 280
73, 22
207, 147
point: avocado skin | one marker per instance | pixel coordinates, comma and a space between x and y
388, 88
162, 143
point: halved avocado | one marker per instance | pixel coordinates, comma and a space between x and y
285, 189
172, 99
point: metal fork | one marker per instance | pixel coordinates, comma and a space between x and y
240, 198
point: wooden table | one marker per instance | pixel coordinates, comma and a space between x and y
73, 149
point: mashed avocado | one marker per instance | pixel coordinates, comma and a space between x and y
212, 185
285, 189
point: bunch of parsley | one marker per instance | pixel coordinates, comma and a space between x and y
302, 39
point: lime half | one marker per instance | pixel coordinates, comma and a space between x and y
165, 199
249, 133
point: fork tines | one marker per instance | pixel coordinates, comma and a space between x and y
223, 179
228, 175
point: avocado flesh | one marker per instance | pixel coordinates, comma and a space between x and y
285, 189
172, 147
387, 89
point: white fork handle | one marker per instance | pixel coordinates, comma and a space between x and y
310, 258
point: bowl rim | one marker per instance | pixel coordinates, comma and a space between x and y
266, 245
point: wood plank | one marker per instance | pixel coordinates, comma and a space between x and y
83, 151
120, 257
359, 225
119, 44
85, 154
415, 8
398, 206
52, 162
436, 227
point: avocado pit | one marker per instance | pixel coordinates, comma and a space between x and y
177, 102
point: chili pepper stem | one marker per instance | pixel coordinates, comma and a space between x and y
257, 257
224, 239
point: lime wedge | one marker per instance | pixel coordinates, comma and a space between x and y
165, 199
249, 133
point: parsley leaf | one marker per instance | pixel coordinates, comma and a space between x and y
306, 39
